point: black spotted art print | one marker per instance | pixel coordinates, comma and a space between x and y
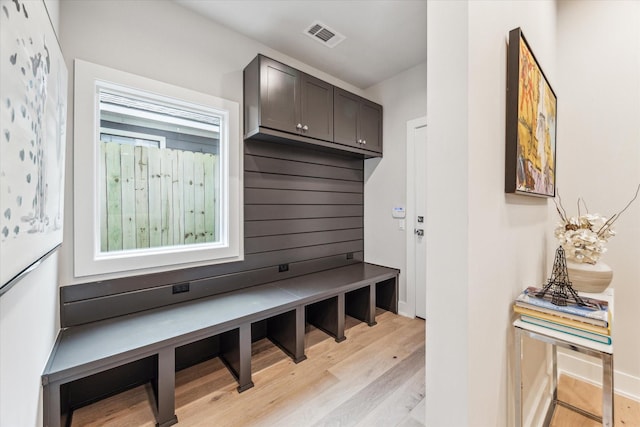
33, 108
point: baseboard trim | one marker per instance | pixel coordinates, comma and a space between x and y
404, 309
591, 372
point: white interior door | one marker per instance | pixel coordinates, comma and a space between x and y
416, 215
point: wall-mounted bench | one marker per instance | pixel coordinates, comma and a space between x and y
280, 309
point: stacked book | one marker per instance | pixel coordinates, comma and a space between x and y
592, 321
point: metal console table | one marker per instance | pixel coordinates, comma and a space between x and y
559, 339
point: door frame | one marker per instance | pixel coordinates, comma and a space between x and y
410, 307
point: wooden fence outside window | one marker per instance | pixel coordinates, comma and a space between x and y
151, 197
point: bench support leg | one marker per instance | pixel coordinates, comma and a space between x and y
286, 330
328, 316
230, 351
371, 316
51, 403
299, 355
235, 353
165, 391
361, 304
244, 344
340, 318
387, 295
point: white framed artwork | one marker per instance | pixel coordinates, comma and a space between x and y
33, 110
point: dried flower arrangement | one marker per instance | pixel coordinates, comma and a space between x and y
583, 237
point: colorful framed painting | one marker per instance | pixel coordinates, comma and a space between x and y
531, 114
33, 111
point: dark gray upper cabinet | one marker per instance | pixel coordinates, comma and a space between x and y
357, 121
370, 125
316, 109
284, 104
292, 101
279, 96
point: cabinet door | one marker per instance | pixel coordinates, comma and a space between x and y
371, 126
345, 119
279, 96
317, 108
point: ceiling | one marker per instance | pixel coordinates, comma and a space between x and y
383, 37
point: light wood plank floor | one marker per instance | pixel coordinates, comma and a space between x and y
376, 377
626, 412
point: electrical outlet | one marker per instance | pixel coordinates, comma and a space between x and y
182, 287
283, 267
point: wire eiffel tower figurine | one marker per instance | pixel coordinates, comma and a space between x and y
559, 285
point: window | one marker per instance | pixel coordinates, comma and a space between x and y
157, 175
152, 194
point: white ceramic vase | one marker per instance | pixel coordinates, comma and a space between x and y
592, 278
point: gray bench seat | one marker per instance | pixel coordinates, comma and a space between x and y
320, 298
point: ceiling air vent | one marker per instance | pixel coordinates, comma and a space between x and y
324, 34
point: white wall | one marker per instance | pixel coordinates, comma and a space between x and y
160, 40
508, 234
488, 246
53, 8
447, 343
404, 97
28, 328
599, 152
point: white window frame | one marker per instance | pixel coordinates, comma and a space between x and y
88, 260
161, 141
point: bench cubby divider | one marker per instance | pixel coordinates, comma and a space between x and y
360, 304
283, 331
387, 295
328, 316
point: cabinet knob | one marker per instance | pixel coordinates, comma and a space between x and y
364, 141
305, 128
299, 126
359, 141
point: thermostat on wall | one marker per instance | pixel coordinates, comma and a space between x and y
398, 212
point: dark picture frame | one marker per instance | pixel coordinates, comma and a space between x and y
531, 123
